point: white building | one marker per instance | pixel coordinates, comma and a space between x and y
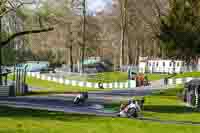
161, 66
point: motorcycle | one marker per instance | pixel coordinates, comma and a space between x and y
130, 110
81, 98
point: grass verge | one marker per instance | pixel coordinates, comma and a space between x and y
52, 87
105, 77
167, 105
33, 121
152, 77
48, 87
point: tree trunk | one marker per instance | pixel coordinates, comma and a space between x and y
70, 48
80, 58
138, 52
130, 50
84, 38
123, 32
71, 58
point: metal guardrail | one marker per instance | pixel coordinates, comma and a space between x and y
62, 80
4, 91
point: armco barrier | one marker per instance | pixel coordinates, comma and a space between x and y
60, 80
114, 85
4, 91
67, 82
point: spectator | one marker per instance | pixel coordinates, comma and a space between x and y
166, 80
141, 79
137, 81
146, 80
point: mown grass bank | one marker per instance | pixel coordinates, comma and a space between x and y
33, 121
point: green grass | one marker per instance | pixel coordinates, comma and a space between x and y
188, 74
52, 87
167, 105
170, 92
168, 108
123, 76
163, 105
49, 87
110, 77
32, 121
152, 77
105, 77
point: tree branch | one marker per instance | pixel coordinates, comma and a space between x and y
12, 37
10, 6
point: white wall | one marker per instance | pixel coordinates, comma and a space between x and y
142, 66
161, 66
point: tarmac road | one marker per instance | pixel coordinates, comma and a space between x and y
66, 105
64, 102
55, 104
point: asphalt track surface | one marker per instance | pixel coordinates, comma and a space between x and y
56, 104
64, 103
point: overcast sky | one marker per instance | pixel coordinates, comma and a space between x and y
93, 5
98, 5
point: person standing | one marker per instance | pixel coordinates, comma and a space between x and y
166, 80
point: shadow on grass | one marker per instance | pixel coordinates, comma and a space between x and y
168, 109
17, 113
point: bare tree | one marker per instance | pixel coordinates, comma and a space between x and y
123, 30
7, 6
140, 26
150, 12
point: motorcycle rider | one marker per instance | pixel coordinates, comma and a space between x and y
81, 98
130, 110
